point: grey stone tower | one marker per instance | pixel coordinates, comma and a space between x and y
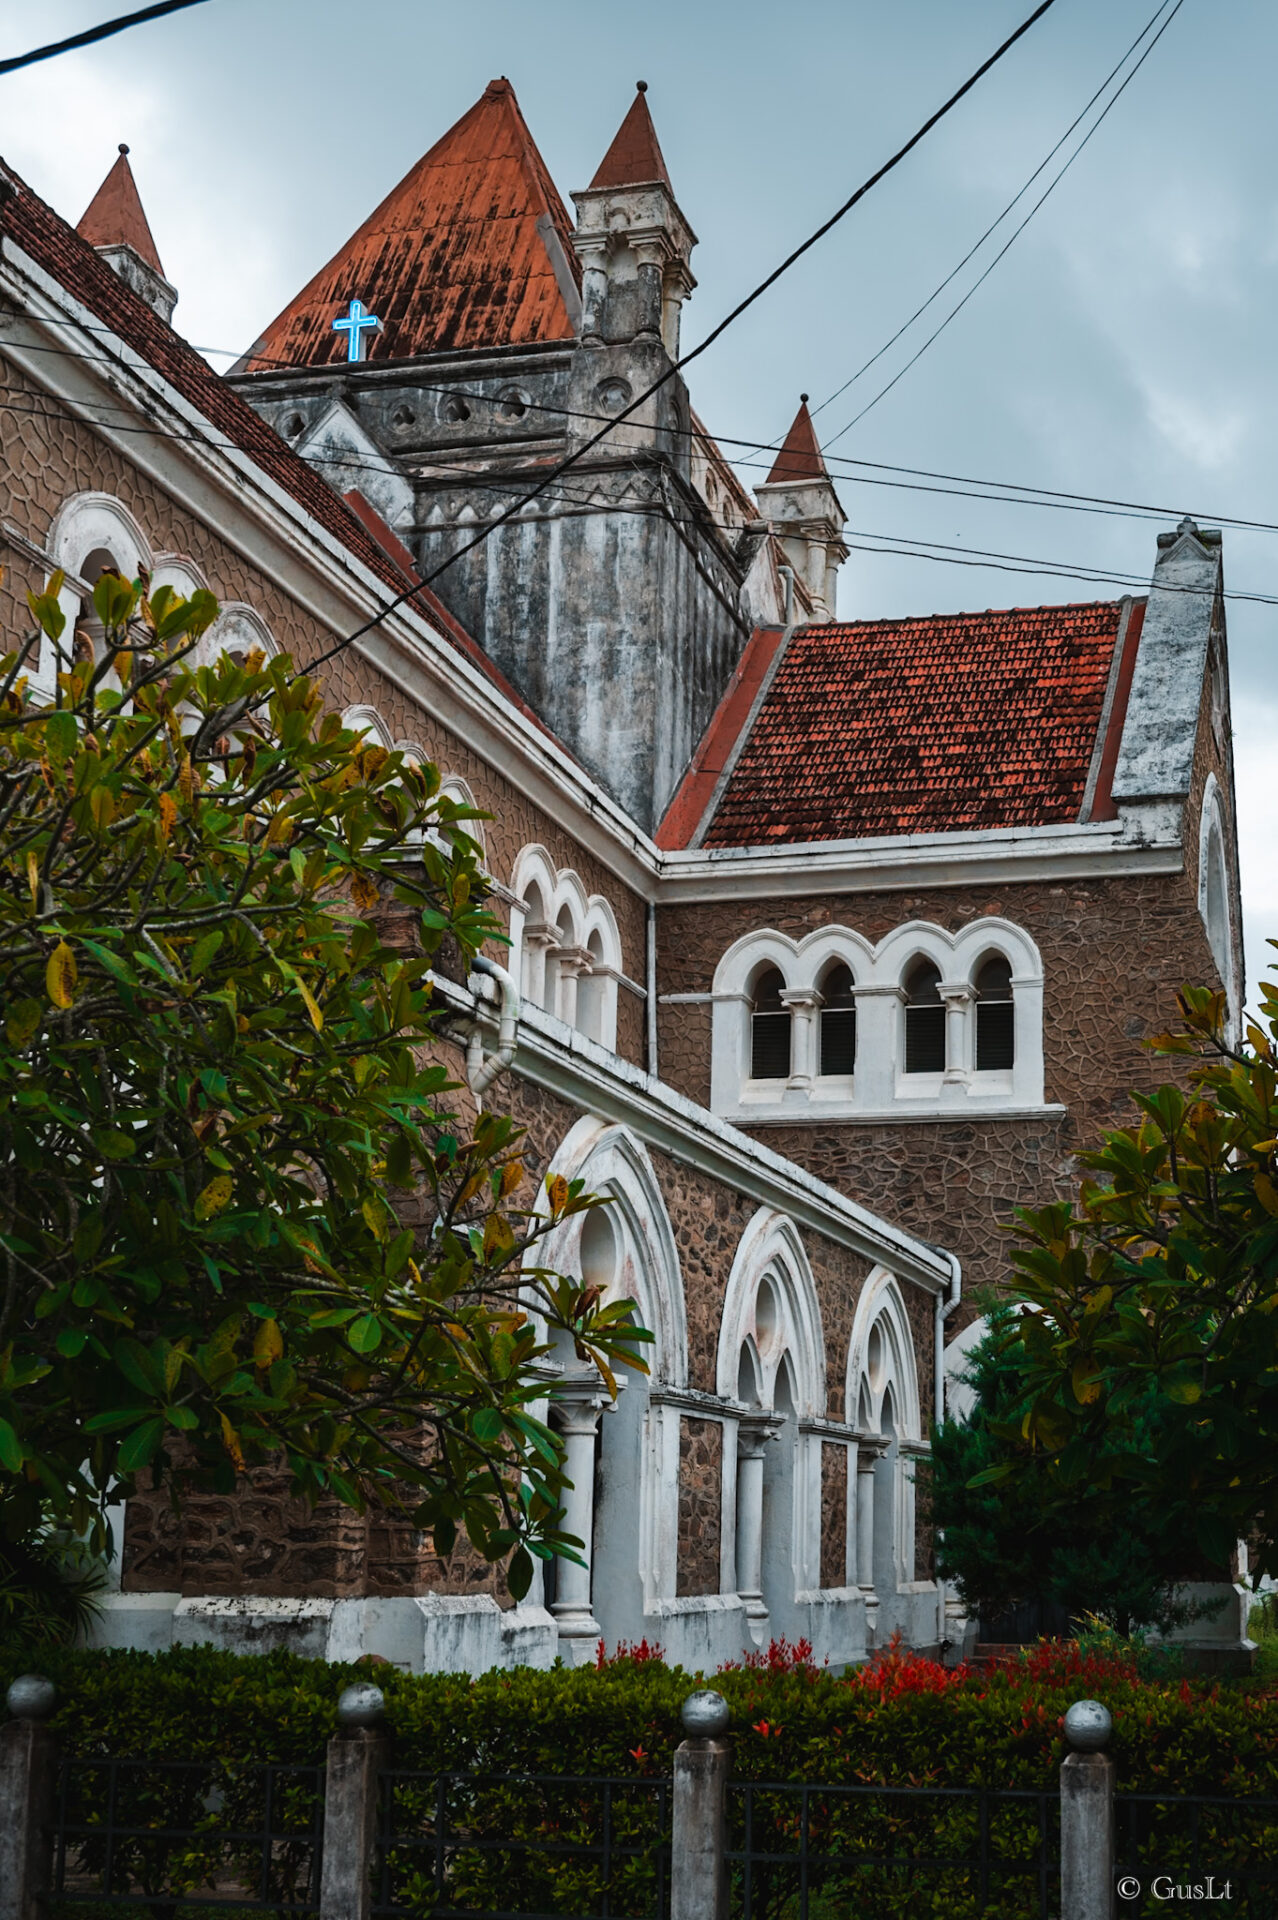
495, 336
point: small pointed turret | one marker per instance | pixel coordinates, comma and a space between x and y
634, 159
802, 510
116, 226
632, 240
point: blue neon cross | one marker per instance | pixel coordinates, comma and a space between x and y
352, 324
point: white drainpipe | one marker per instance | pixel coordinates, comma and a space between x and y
945, 1305
481, 1073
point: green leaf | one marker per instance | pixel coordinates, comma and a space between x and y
11, 1449
520, 1572
487, 1425
70, 1342
365, 1334
141, 1446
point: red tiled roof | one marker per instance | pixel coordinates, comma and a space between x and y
462, 253
634, 158
800, 457
72, 262
114, 216
960, 721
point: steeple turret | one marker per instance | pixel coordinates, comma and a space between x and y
115, 224
802, 509
632, 241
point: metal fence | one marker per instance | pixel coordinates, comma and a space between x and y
815, 1852
172, 1834
1208, 1842
589, 1847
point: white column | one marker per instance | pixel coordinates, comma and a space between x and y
957, 996
804, 1004
866, 1460
593, 255
752, 1437
578, 1421
538, 939
879, 1044
570, 964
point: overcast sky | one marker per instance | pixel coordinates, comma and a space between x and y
1124, 347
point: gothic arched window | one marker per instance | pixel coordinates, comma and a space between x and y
769, 1028
924, 1020
995, 1016
838, 1021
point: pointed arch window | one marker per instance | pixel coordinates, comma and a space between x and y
838, 1021
924, 1020
995, 1016
769, 1028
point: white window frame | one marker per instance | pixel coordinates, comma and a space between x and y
879, 1088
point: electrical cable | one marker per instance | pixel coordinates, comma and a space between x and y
905, 546
686, 359
92, 35
1012, 239
995, 223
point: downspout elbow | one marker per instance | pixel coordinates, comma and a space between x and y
481, 1072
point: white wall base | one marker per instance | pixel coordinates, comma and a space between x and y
432, 1633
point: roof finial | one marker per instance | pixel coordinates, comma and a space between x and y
803, 399
642, 86
124, 146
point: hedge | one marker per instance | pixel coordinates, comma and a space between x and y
900, 1721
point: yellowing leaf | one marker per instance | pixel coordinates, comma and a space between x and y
231, 1441
60, 975
512, 1177
168, 815
253, 663
214, 1197
1267, 1193
1086, 1390
557, 1192
186, 779
372, 760
268, 1344
33, 877
364, 892
317, 1018
280, 831
102, 806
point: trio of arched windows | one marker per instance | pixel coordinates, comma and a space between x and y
568, 947
925, 1021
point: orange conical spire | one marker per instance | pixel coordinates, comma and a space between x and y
114, 216
473, 248
800, 457
634, 158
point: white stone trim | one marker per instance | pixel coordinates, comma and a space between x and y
1215, 906
569, 960
880, 1087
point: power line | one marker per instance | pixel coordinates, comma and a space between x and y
1016, 233
960, 486
904, 546
93, 34
741, 307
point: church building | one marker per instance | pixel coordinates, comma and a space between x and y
831, 941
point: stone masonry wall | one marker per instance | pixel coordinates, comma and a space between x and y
1114, 951
834, 1514
700, 1501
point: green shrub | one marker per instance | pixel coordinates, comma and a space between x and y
901, 1721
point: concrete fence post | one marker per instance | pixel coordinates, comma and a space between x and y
698, 1869
28, 1788
356, 1754
1087, 1815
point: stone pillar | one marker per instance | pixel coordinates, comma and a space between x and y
28, 1787
698, 1869
356, 1754
879, 1044
570, 964
805, 1006
752, 1438
866, 1461
650, 259
579, 1631
593, 254
536, 942
1087, 1815
958, 1031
